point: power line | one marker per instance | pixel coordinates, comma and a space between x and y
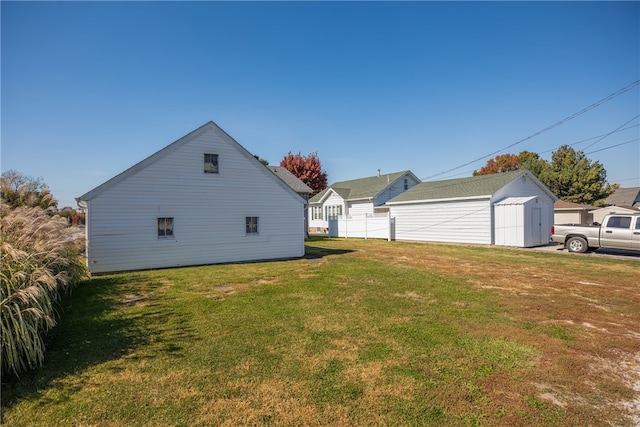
563, 121
615, 130
614, 146
592, 138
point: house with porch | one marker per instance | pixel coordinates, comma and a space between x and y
357, 198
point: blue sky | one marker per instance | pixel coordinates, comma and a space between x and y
89, 89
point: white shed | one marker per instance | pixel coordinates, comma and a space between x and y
203, 199
519, 222
464, 210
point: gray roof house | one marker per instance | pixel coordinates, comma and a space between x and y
625, 197
357, 197
507, 209
296, 185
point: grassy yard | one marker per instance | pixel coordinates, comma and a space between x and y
359, 332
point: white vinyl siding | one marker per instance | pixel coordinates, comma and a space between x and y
456, 221
121, 223
395, 190
360, 208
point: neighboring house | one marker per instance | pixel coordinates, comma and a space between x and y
202, 199
507, 209
357, 197
625, 197
599, 214
298, 186
572, 213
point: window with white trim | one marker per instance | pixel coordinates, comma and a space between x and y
316, 212
329, 211
165, 227
211, 163
252, 225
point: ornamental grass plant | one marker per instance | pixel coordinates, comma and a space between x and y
40, 263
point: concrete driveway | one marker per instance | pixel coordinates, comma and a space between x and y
609, 253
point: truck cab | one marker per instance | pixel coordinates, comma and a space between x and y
621, 232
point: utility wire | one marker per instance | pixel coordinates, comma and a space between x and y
614, 146
563, 121
592, 138
615, 130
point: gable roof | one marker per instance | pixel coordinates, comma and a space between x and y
209, 126
624, 196
362, 188
290, 179
461, 188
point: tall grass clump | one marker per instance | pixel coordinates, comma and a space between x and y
40, 263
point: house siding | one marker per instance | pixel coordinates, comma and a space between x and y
360, 208
394, 190
454, 221
209, 212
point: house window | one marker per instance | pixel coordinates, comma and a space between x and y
406, 184
211, 163
316, 212
165, 227
329, 211
252, 225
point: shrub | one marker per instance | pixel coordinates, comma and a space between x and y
40, 263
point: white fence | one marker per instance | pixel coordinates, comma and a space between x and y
369, 226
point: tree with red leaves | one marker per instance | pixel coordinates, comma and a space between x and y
308, 170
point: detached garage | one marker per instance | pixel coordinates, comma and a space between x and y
506, 209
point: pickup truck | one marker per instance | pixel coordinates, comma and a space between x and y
618, 231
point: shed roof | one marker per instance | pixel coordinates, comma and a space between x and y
515, 200
290, 179
362, 188
475, 186
624, 196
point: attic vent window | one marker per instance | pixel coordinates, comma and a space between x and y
211, 163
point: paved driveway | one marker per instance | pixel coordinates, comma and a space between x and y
609, 253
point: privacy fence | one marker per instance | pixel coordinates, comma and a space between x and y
369, 226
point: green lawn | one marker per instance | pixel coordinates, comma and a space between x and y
359, 332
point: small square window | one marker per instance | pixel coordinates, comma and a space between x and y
211, 163
165, 227
252, 225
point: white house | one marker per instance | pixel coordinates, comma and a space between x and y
510, 209
357, 198
202, 199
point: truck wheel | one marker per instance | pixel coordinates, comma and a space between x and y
577, 244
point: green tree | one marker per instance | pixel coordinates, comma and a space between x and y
68, 212
532, 162
574, 178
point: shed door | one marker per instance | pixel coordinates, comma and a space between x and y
536, 226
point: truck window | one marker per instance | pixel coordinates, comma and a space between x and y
637, 223
619, 222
